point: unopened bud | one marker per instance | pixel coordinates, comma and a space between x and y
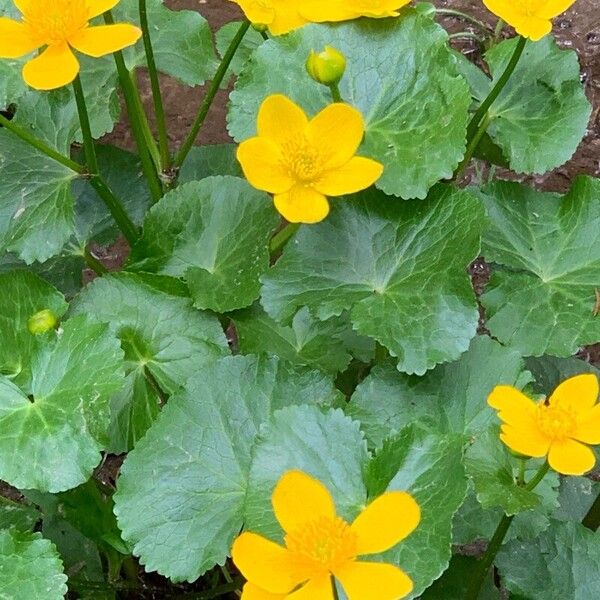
326, 67
260, 27
42, 322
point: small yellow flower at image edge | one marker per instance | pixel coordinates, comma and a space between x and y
57, 26
531, 18
558, 428
320, 546
303, 161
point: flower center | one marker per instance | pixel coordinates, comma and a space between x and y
55, 21
556, 423
302, 159
322, 545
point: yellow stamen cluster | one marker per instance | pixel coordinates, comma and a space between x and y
555, 422
55, 21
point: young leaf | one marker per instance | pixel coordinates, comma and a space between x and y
399, 269
400, 74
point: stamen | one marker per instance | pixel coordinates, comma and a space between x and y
556, 423
54, 21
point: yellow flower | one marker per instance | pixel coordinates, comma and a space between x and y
58, 26
320, 545
320, 11
280, 16
301, 161
531, 18
554, 428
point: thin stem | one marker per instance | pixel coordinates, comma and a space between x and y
466, 35
149, 140
210, 95
499, 29
264, 34
30, 139
159, 111
496, 542
592, 518
280, 239
93, 263
521, 475
465, 17
335, 92
113, 204
473, 146
135, 118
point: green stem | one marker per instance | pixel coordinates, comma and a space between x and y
466, 35
280, 239
473, 145
30, 139
136, 120
93, 263
149, 141
210, 95
487, 560
335, 92
113, 204
592, 518
159, 110
465, 17
264, 34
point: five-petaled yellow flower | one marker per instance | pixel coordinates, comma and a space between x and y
320, 546
554, 428
530, 18
320, 11
57, 26
302, 162
280, 16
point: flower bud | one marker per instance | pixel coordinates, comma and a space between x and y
260, 27
326, 67
42, 322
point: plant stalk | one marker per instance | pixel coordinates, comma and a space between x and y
487, 560
136, 117
281, 238
473, 145
465, 17
159, 110
113, 204
335, 92
210, 95
93, 263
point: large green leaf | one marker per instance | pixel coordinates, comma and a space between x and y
400, 269
182, 489
213, 233
209, 161
561, 563
542, 299
542, 114
401, 75
429, 466
30, 568
165, 341
223, 38
549, 371
17, 514
451, 398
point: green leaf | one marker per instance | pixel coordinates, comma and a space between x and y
492, 468
30, 568
560, 563
307, 341
576, 497
210, 161
399, 269
451, 398
182, 489
541, 300
400, 74
542, 114
18, 515
223, 38
328, 446
181, 41
165, 341
428, 465
549, 371
213, 233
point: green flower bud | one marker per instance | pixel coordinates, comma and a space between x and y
260, 27
326, 67
42, 322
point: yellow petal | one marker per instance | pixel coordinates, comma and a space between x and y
23, 5
577, 394
253, 592
105, 39
571, 458
385, 522
261, 162
302, 205
315, 589
98, 7
527, 440
298, 498
279, 119
257, 12
374, 581
337, 132
15, 39
287, 17
588, 426
533, 28
357, 174
55, 67
552, 8
513, 406
264, 563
